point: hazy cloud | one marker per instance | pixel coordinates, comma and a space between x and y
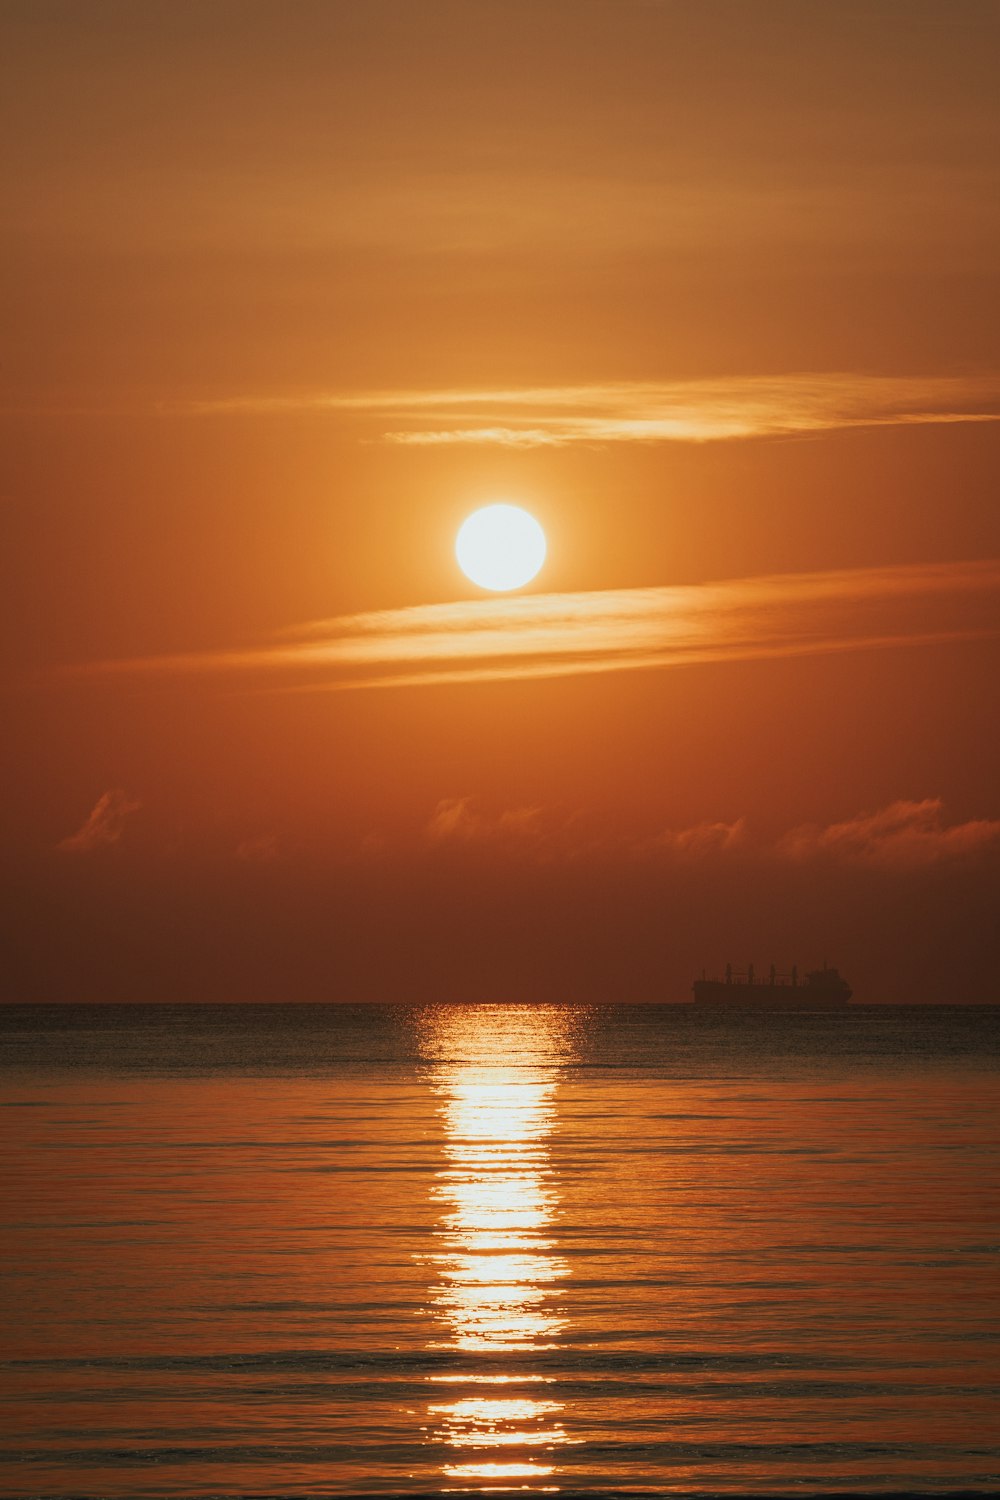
460, 820
701, 840
104, 825
695, 411
608, 630
904, 835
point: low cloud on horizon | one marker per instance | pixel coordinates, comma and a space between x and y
906, 835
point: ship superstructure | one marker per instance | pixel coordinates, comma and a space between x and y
818, 989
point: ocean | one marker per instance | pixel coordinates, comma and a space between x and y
328, 1250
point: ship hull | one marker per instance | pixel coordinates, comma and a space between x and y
768, 996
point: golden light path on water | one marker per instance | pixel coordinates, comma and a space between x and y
498, 1272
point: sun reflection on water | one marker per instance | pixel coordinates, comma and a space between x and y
496, 1070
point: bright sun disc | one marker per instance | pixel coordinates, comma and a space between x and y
500, 547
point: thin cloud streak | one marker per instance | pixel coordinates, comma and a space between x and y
549, 635
695, 411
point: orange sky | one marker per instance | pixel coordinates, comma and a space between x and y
289, 290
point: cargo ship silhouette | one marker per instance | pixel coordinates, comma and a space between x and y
821, 989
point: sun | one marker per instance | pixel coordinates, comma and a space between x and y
500, 547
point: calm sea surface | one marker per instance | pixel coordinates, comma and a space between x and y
318, 1251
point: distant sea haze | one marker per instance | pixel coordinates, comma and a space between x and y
602, 1250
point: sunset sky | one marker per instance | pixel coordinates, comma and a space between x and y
712, 290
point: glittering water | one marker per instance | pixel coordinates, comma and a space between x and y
318, 1251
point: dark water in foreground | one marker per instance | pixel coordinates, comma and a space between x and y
316, 1251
